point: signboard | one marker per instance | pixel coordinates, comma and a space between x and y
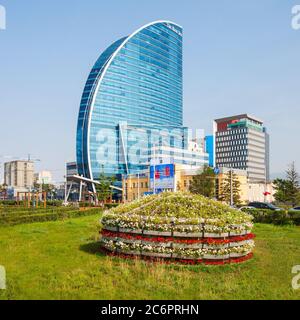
164, 177
216, 171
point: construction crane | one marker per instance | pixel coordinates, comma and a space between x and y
33, 160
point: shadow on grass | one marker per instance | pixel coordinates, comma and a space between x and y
92, 248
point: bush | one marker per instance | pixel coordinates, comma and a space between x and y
111, 205
84, 204
295, 217
8, 202
54, 203
274, 217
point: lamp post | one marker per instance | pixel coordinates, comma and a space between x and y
138, 176
154, 169
231, 187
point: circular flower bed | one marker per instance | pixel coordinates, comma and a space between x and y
178, 226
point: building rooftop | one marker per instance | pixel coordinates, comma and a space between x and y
240, 116
12, 161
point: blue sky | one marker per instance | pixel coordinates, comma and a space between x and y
239, 56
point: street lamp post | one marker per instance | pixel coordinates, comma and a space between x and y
231, 187
138, 176
154, 191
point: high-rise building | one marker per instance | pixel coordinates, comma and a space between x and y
19, 174
132, 102
209, 148
242, 142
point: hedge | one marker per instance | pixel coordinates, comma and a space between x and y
13, 219
295, 217
54, 203
274, 217
19, 211
8, 202
106, 205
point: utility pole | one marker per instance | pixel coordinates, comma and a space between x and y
41, 188
123, 188
130, 188
80, 191
265, 193
231, 187
138, 186
154, 191
65, 202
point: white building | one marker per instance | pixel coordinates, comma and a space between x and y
43, 177
19, 174
192, 158
256, 192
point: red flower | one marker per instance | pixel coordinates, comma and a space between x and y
113, 234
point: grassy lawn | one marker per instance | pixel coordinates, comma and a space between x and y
59, 260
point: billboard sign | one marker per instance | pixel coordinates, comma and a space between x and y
216, 171
164, 176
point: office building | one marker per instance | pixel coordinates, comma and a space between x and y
242, 142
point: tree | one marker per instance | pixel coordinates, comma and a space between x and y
3, 187
230, 189
44, 187
293, 179
288, 190
204, 183
103, 189
3, 191
281, 186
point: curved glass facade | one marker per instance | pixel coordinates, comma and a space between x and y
135, 83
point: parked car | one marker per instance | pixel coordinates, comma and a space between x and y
263, 205
245, 208
296, 209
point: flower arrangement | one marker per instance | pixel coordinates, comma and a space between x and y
178, 226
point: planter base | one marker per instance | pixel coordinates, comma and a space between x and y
178, 259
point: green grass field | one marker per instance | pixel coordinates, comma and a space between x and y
59, 260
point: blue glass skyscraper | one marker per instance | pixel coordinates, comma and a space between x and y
133, 90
